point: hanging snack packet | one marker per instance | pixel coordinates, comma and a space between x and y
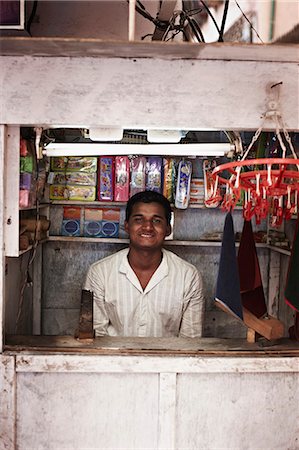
122, 178
154, 174
183, 184
106, 178
169, 178
137, 175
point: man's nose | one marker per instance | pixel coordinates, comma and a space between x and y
147, 223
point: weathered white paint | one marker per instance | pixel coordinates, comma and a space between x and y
12, 187
167, 410
116, 402
237, 411
137, 364
128, 93
87, 411
7, 402
2, 237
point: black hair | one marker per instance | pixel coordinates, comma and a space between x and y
149, 197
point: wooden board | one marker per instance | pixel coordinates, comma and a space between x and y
152, 346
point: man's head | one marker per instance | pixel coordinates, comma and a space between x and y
148, 220
149, 197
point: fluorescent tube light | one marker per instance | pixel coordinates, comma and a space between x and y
93, 149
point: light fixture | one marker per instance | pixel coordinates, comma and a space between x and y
105, 134
94, 149
165, 136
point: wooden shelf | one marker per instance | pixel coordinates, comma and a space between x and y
22, 252
121, 204
81, 203
33, 208
283, 251
126, 241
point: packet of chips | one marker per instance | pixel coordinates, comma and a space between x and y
183, 184
137, 175
169, 178
154, 174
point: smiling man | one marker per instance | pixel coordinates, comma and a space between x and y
146, 290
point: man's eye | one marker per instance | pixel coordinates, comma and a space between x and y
156, 220
138, 219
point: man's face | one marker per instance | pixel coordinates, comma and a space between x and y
147, 226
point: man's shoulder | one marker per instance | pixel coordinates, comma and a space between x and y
177, 260
110, 260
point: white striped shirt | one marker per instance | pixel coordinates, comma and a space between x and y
171, 304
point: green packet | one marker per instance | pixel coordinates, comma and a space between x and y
27, 164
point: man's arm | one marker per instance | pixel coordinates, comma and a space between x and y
94, 282
193, 310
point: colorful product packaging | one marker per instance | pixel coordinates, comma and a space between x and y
93, 222
183, 184
110, 224
138, 166
197, 191
23, 147
101, 222
122, 179
24, 198
76, 193
74, 164
153, 181
25, 180
106, 178
71, 221
67, 178
169, 178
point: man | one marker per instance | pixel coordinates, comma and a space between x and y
146, 290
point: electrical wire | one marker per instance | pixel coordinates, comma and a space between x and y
211, 15
246, 18
224, 17
31, 17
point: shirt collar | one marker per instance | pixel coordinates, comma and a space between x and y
160, 273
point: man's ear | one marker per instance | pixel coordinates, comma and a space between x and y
168, 230
126, 226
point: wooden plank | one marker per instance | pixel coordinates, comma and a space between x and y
37, 290
7, 403
274, 279
167, 411
117, 90
85, 328
85, 47
165, 13
12, 186
269, 327
152, 364
151, 346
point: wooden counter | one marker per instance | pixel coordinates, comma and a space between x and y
137, 393
107, 345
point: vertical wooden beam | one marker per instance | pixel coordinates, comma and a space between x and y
165, 13
132, 20
37, 290
12, 187
2, 249
167, 411
7, 403
274, 279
